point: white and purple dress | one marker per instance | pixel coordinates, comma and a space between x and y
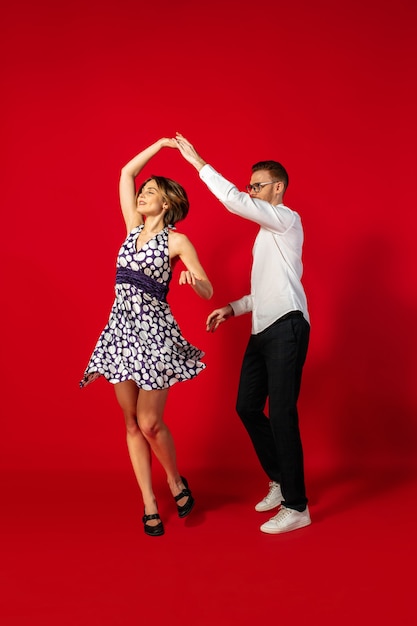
142, 341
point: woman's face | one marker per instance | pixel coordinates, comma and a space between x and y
150, 200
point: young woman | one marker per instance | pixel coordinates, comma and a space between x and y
141, 350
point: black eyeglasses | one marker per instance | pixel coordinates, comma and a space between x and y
256, 187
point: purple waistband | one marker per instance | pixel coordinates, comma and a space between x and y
143, 282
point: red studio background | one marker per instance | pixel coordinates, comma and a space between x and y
327, 88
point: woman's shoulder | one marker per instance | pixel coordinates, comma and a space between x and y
177, 240
174, 233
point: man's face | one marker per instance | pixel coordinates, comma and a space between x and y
269, 192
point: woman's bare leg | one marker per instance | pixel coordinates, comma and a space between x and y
127, 394
150, 410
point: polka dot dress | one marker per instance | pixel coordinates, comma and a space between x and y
142, 341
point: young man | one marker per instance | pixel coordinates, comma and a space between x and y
277, 348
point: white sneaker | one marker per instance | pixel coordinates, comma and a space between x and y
272, 500
286, 520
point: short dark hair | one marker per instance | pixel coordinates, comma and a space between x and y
277, 170
174, 195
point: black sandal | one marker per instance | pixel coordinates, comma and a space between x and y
184, 509
153, 531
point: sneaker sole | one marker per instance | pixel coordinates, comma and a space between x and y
276, 531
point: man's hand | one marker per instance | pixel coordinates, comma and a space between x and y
217, 317
189, 152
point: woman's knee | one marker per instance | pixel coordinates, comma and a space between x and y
131, 422
150, 426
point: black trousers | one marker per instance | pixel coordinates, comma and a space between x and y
271, 369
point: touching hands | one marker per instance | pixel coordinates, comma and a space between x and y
189, 152
217, 317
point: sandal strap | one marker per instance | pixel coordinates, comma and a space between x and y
184, 493
146, 518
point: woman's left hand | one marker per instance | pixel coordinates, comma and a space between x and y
188, 278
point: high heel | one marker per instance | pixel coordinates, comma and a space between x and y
153, 530
184, 509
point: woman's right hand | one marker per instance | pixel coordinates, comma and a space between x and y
168, 142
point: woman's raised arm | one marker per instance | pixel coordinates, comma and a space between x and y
127, 188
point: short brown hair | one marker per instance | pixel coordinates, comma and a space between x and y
174, 195
277, 170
